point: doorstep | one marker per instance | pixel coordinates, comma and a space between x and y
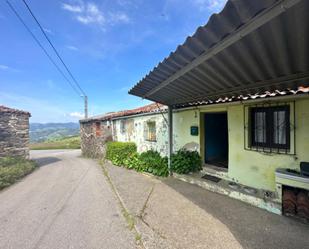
224, 187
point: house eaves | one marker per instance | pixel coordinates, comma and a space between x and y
250, 48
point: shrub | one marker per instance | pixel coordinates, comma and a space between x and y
152, 162
12, 169
118, 152
184, 162
133, 162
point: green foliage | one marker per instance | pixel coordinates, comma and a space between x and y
152, 162
59, 143
184, 162
124, 154
133, 162
118, 152
12, 169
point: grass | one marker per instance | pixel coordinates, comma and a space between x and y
13, 169
61, 143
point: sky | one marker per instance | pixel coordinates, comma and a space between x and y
109, 45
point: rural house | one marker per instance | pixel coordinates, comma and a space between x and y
237, 92
14, 132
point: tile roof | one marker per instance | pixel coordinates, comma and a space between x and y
151, 108
5, 109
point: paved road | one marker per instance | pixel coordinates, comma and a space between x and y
66, 203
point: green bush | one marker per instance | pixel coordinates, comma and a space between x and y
12, 169
152, 162
184, 162
133, 162
118, 152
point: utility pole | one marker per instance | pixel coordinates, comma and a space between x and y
86, 105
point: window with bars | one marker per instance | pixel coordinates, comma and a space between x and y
270, 127
151, 131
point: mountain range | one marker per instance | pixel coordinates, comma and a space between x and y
40, 132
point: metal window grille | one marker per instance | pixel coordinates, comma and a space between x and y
270, 128
151, 132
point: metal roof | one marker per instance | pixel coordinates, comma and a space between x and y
250, 47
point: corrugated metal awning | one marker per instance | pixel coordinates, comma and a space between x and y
250, 47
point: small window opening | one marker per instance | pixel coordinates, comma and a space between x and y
151, 131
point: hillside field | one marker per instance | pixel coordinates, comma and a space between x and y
72, 142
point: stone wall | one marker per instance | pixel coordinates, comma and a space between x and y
14, 134
94, 135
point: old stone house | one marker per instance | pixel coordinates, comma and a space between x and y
14, 132
145, 126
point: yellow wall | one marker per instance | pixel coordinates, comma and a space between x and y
257, 169
251, 168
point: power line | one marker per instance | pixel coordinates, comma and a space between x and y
41, 46
55, 50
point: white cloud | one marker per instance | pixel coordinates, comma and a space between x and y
78, 115
90, 13
70, 47
4, 67
48, 31
8, 69
72, 8
213, 5
119, 17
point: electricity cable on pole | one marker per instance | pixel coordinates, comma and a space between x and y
50, 58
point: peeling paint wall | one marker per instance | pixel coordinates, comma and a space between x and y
257, 169
135, 131
132, 129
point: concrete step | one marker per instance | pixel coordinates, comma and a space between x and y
224, 187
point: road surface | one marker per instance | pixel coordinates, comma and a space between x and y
66, 203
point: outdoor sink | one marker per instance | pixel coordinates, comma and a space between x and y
292, 178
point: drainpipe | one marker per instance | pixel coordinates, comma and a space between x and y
170, 138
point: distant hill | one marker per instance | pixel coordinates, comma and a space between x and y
72, 142
51, 131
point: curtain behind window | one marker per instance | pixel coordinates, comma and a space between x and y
279, 129
260, 127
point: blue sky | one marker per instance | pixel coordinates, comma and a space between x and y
108, 45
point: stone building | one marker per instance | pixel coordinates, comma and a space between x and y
138, 125
14, 132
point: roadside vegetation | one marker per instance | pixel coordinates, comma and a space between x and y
13, 169
125, 154
58, 143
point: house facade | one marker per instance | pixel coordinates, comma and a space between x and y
237, 92
232, 139
14, 132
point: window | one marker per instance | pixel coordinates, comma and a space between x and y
270, 127
98, 129
123, 126
151, 131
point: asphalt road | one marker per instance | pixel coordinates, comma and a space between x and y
66, 203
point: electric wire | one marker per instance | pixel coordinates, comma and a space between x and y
42, 47
53, 47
